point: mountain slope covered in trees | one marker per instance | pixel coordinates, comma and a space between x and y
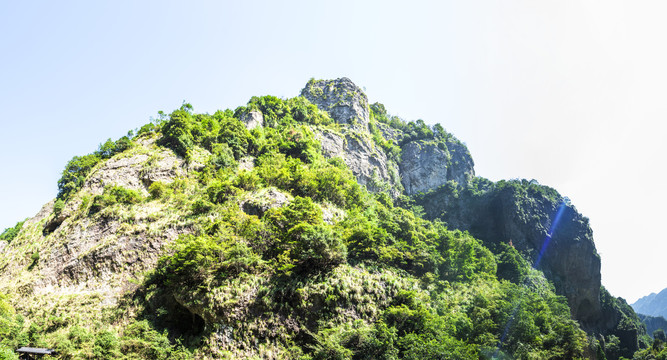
314, 227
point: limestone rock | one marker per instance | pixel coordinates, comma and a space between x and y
135, 172
462, 168
367, 162
253, 119
247, 163
342, 99
259, 202
390, 133
332, 143
43, 213
425, 166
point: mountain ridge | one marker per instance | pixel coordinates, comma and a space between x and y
652, 304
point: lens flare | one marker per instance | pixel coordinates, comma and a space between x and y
543, 250
547, 240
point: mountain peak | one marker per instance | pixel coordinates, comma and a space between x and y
345, 102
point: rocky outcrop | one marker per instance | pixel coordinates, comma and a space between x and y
390, 133
80, 252
135, 172
332, 143
113, 252
342, 99
462, 167
425, 165
367, 162
252, 119
259, 202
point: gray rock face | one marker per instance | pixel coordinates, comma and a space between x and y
342, 99
390, 133
253, 119
261, 201
135, 172
359, 152
425, 166
462, 166
81, 260
365, 161
332, 143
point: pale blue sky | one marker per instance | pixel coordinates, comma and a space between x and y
571, 93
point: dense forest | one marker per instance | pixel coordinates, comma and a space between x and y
203, 236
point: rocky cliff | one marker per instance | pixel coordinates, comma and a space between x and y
551, 233
540, 224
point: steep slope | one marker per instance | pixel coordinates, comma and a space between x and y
548, 231
279, 230
653, 304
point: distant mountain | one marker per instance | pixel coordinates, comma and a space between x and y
654, 304
653, 323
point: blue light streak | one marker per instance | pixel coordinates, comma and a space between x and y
543, 250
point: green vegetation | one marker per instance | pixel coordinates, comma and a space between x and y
297, 266
275, 251
115, 195
79, 167
10, 233
409, 131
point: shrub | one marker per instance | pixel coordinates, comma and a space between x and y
300, 210
58, 207
222, 156
79, 335
10, 233
177, 132
106, 346
511, 266
247, 180
316, 246
75, 174
194, 258
299, 144
141, 339
220, 191
111, 148
201, 206
158, 190
115, 195
233, 133
7, 353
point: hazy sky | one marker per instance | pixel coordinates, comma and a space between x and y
570, 93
